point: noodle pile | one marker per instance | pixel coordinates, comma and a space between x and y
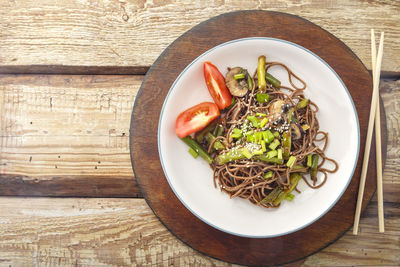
244, 178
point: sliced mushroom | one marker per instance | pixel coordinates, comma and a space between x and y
296, 131
236, 87
275, 110
276, 107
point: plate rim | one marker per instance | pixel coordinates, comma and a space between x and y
265, 39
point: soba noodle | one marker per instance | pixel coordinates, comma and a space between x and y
245, 178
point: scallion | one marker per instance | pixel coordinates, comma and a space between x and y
237, 133
279, 153
246, 153
291, 161
257, 137
239, 76
262, 98
258, 152
254, 121
263, 146
286, 144
263, 122
274, 144
268, 175
271, 154
269, 136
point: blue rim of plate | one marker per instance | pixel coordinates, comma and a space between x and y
267, 39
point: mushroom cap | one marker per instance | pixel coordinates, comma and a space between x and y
236, 87
275, 109
296, 131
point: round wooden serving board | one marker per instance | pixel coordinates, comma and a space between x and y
144, 126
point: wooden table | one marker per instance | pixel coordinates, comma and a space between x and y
70, 72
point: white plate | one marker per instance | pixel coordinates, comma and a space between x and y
191, 179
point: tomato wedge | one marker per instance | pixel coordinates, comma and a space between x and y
196, 118
216, 85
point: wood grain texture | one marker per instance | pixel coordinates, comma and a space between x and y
390, 93
38, 176
66, 135
125, 232
124, 36
147, 166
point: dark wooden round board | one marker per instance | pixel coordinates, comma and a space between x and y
144, 149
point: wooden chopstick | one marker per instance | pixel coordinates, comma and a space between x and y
378, 141
369, 134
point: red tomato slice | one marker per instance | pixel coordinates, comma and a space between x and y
195, 118
216, 85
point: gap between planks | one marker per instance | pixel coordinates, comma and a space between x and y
134, 33
50, 146
97, 231
109, 70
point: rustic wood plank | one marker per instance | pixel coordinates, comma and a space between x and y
85, 36
369, 248
66, 135
120, 232
89, 140
390, 93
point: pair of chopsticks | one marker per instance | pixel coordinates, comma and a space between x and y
374, 112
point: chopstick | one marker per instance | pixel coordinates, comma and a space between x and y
372, 114
378, 142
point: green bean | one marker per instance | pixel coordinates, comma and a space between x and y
249, 81
294, 180
219, 130
290, 115
196, 147
272, 195
200, 135
272, 80
314, 166
302, 104
193, 152
299, 168
265, 158
230, 155
262, 84
217, 144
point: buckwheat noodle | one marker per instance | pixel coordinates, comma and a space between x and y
244, 178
